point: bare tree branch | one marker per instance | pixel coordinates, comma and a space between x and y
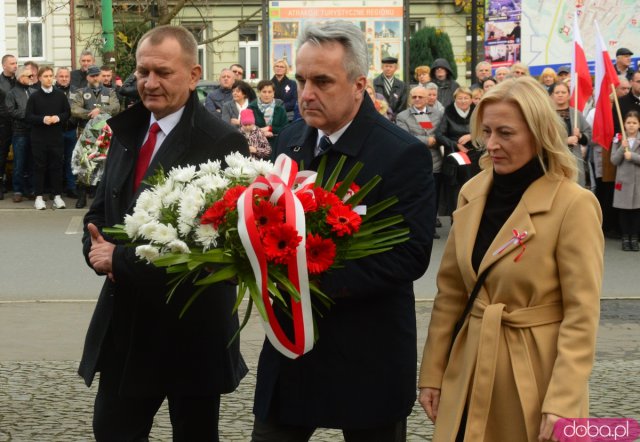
239, 25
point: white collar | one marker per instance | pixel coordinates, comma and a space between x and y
168, 123
334, 137
47, 90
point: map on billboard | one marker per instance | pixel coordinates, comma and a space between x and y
380, 20
547, 34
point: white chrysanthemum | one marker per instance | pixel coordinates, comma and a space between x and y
191, 202
173, 197
237, 173
236, 160
184, 228
207, 236
262, 167
132, 223
147, 252
147, 230
162, 190
177, 246
164, 234
149, 202
211, 183
210, 168
183, 174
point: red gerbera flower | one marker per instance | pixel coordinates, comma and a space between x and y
280, 243
325, 198
321, 253
343, 220
353, 189
214, 214
231, 196
307, 200
267, 215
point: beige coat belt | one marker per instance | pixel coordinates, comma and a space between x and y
494, 322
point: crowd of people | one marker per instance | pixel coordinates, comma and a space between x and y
42, 114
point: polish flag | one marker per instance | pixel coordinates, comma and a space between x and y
605, 77
461, 158
581, 87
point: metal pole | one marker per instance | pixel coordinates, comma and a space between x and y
474, 39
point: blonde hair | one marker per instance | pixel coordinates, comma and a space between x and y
421, 70
548, 71
462, 90
522, 66
541, 118
282, 61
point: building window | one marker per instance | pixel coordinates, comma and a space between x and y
199, 31
30, 29
249, 52
415, 25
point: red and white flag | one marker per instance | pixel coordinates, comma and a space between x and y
605, 77
581, 86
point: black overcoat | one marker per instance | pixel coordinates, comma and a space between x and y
362, 371
163, 354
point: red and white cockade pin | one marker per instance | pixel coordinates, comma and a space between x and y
516, 239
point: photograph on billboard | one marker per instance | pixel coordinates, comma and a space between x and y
380, 20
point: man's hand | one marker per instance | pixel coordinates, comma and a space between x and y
101, 253
430, 400
94, 113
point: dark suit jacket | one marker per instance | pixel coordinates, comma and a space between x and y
162, 354
398, 98
362, 371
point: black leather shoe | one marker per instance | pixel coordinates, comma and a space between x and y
438, 223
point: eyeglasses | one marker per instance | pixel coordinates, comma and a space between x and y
27, 76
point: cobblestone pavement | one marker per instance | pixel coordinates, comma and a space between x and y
46, 400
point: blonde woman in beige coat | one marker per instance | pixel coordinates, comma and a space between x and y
524, 354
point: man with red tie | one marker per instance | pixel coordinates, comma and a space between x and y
137, 342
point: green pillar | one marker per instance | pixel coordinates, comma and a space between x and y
108, 48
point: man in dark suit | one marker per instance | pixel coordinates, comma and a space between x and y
137, 342
393, 89
361, 374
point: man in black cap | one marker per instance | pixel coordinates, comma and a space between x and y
392, 88
93, 99
563, 72
623, 63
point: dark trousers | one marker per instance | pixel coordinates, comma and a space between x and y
5, 144
48, 157
70, 139
272, 431
629, 221
119, 418
604, 193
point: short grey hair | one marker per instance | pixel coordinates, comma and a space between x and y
346, 34
86, 52
482, 63
22, 70
431, 85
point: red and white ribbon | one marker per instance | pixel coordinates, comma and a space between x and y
517, 239
461, 158
285, 182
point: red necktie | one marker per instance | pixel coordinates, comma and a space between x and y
144, 157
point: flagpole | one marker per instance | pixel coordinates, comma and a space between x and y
575, 102
619, 112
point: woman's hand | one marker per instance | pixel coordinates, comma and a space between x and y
461, 148
572, 140
430, 400
546, 427
464, 139
627, 155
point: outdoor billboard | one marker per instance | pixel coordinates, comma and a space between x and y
380, 20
